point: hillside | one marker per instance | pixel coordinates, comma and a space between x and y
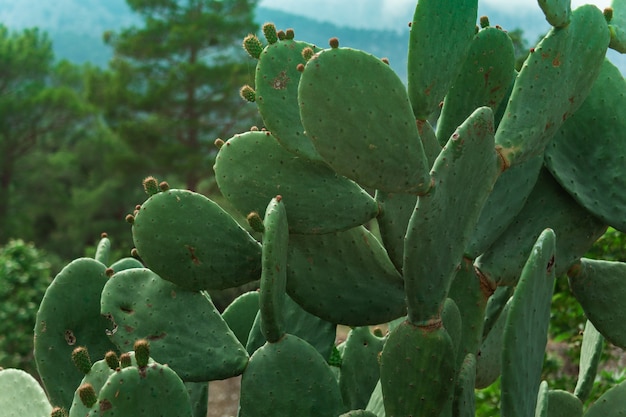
76, 27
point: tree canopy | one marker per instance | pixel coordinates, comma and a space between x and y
171, 88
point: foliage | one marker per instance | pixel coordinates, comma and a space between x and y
24, 277
39, 100
171, 87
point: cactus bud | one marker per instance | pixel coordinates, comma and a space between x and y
255, 222
109, 272
253, 46
134, 253
151, 186
307, 53
142, 352
281, 35
125, 360
81, 359
484, 22
254, 129
130, 218
290, 34
385, 60
608, 14
300, 67
334, 43
103, 235
87, 395
269, 31
164, 186
58, 412
219, 143
112, 360
247, 93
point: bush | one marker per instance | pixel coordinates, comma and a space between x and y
24, 277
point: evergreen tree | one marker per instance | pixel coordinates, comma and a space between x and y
172, 85
35, 102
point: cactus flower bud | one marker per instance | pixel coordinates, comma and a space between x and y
269, 31
142, 352
253, 46
81, 359
87, 395
151, 186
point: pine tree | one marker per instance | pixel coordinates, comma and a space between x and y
172, 85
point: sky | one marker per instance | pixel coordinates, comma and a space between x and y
389, 14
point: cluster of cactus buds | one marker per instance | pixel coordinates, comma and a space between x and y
442, 211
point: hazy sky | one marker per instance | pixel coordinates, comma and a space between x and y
387, 14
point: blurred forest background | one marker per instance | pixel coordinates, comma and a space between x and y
123, 89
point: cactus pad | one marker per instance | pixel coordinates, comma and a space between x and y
189, 240
181, 325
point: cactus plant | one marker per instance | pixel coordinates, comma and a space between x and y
370, 211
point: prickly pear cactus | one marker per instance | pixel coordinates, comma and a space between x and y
442, 209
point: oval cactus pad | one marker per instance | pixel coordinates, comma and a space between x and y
252, 168
362, 126
189, 240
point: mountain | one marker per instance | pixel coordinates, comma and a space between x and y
76, 27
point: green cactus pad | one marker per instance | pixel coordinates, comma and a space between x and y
452, 321
590, 355
154, 390
564, 404
547, 206
21, 395
189, 240
463, 175
274, 276
362, 125
611, 404
441, 34
375, 404
432, 148
489, 357
289, 378
471, 297
552, 84
600, 288
344, 278
417, 360
395, 213
103, 250
317, 332
495, 306
276, 83
484, 80
125, 263
505, 201
464, 398
252, 168
526, 330
240, 315
541, 410
587, 154
359, 367
617, 26
557, 12
181, 325
198, 398
68, 317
